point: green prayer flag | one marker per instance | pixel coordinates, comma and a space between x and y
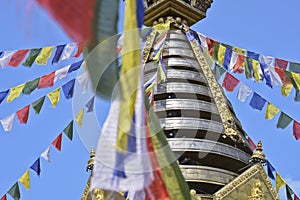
215, 51
38, 104
294, 67
69, 130
30, 86
14, 191
291, 78
218, 71
289, 193
284, 120
248, 71
31, 57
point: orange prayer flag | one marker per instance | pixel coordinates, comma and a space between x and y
18, 57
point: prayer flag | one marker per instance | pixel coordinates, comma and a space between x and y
61, 73
46, 154
18, 57
36, 166
6, 58
38, 104
240, 51
90, 104
248, 68
233, 60
271, 111
252, 144
296, 78
8, 122
69, 130
218, 71
47, 81
79, 50
294, 67
68, 89
296, 130
279, 182
257, 102
284, 120
30, 86
282, 64
23, 114
75, 66
271, 169
44, 56
221, 54
3, 197
295, 197
15, 92
252, 55
68, 51
31, 57
275, 78
286, 89
14, 191
256, 70
243, 92
79, 117
239, 63
54, 97
230, 82
215, 51
3, 94
210, 44
57, 142
203, 41
83, 80
58, 52
289, 192
282, 75
25, 180
227, 58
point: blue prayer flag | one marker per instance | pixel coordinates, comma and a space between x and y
75, 66
140, 12
90, 104
257, 102
227, 58
68, 89
3, 94
271, 169
36, 166
58, 52
252, 55
266, 73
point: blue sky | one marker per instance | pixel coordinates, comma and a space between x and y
268, 27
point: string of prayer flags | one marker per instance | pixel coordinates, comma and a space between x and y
90, 104
6, 58
46, 154
270, 169
54, 97
3, 94
230, 82
83, 80
257, 102
30, 86
279, 182
46, 52
25, 180
57, 142
296, 130
36, 166
15, 92
33, 54
18, 57
68, 89
14, 191
58, 53
271, 111
23, 114
7, 122
79, 117
69, 130
38, 104
243, 92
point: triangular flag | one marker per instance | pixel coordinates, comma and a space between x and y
57, 142
257, 102
279, 182
6, 58
3, 197
31, 57
54, 97
68, 51
69, 130
79, 116
296, 197
36, 166
79, 50
283, 121
30, 86
15, 92
243, 92
90, 104
3, 94
83, 80
8, 122
230, 82
61, 73
25, 180
289, 192
75, 66
47, 80
271, 111
252, 144
38, 104
286, 89
68, 89
58, 52
271, 169
46, 154
14, 191
18, 57
296, 130
23, 114
44, 56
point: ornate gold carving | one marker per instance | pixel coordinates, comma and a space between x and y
98, 194
87, 189
257, 192
243, 178
148, 45
226, 117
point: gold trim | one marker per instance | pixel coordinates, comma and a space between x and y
87, 189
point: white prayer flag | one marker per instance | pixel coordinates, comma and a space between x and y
68, 51
7, 122
61, 73
203, 41
83, 80
46, 154
233, 60
6, 58
243, 92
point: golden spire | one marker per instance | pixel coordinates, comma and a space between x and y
90, 165
258, 156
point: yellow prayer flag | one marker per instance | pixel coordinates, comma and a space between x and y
79, 117
25, 180
240, 51
221, 54
255, 65
156, 57
296, 78
286, 89
162, 27
54, 97
44, 56
271, 111
279, 182
15, 92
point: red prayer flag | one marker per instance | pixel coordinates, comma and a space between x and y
230, 82
47, 80
210, 44
4, 197
18, 57
79, 50
23, 114
239, 63
57, 142
295, 197
282, 64
282, 75
253, 146
296, 130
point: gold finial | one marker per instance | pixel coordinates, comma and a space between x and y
90, 165
258, 156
